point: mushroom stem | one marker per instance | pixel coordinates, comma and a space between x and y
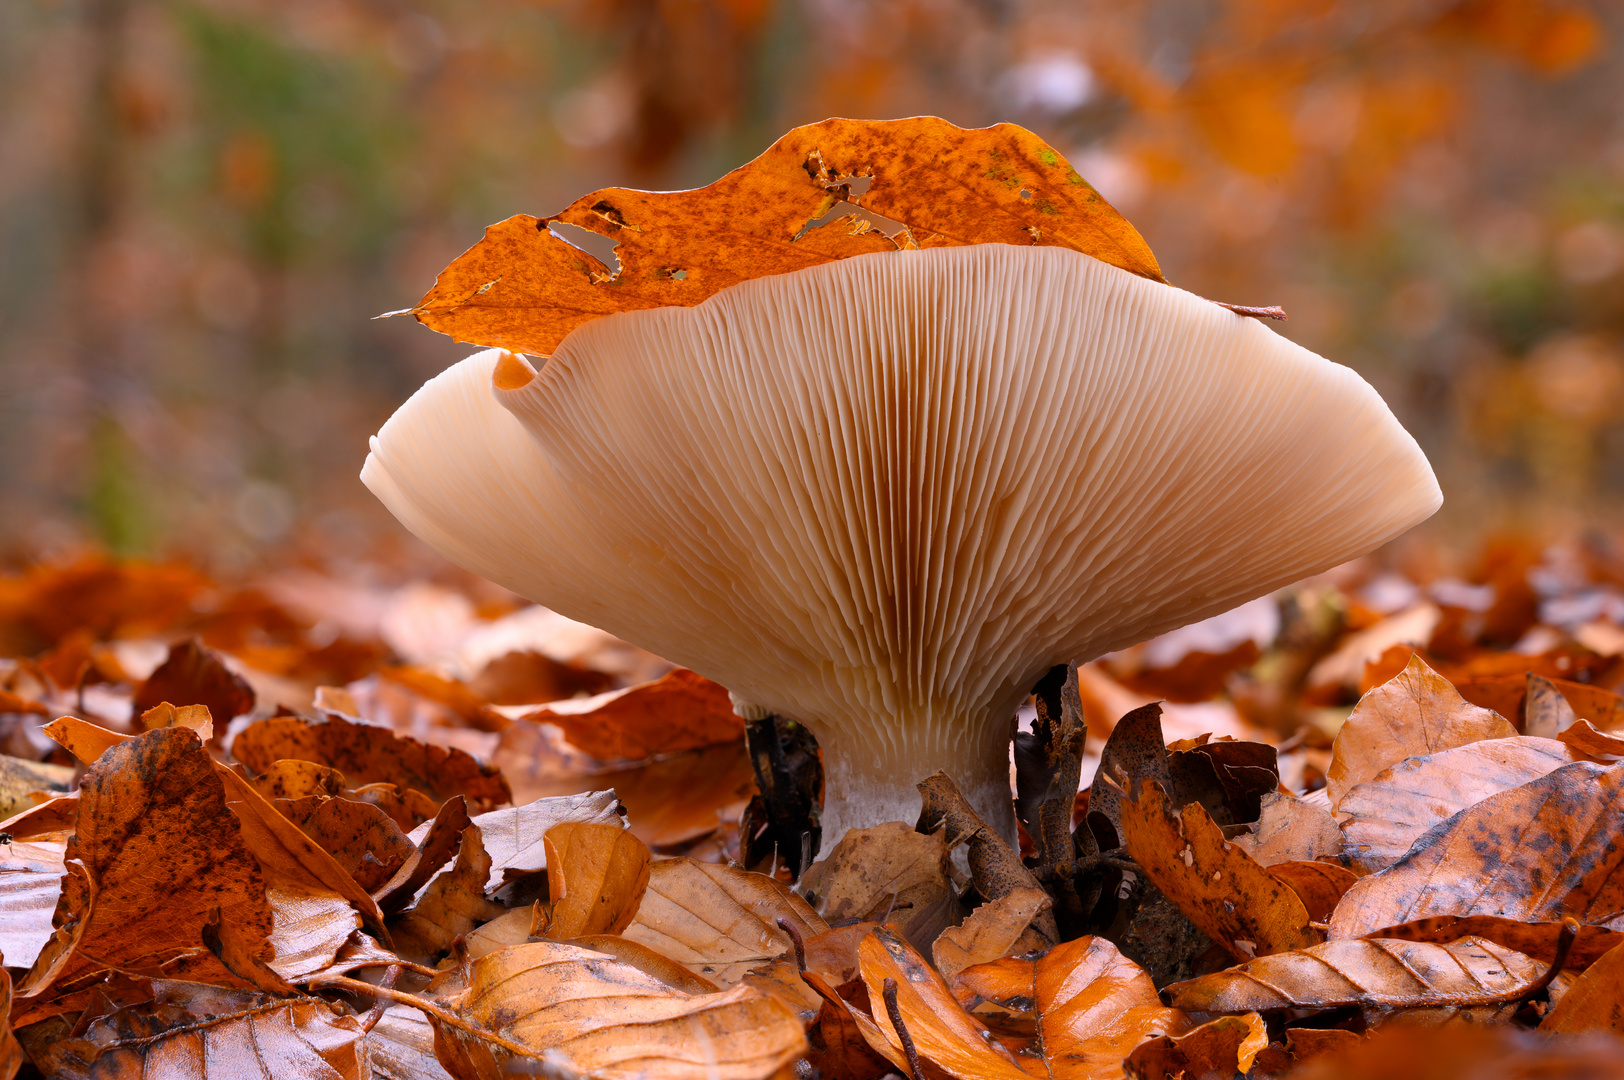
865, 784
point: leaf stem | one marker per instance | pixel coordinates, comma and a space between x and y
438, 1012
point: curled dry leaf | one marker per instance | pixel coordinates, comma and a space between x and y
596, 876
1133, 754
838, 1046
308, 930
450, 906
1366, 974
436, 846
941, 1031
1595, 1001
996, 868
361, 838
512, 927
156, 838
1416, 712
1319, 885
679, 711
1226, 1046
1219, 887
215, 1034
514, 837
1384, 816
545, 999
1582, 737
1289, 829
82, 739
291, 778
367, 753
11, 1054
716, 921
997, 928
1536, 853
523, 288
30, 879
1536, 939
886, 873
1089, 1004
194, 675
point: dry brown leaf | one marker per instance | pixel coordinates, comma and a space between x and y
833, 953
1584, 739
11, 1054
1290, 830
679, 711
514, 837
510, 928
838, 1046
450, 906
1134, 753
1089, 1003
716, 921
20, 779
402, 1046
1226, 1046
1416, 712
164, 853
943, 1033
1536, 853
1319, 885
596, 876
1219, 887
1470, 1052
30, 880
1595, 1001
997, 928
196, 717
52, 819
1536, 939
548, 998
523, 288
1384, 817
1366, 974
436, 846
207, 1033
361, 838
649, 962
307, 930
193, 675
888, 872
367, 753
82, 739
291, 778
673, 802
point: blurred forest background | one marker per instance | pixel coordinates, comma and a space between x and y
203, 202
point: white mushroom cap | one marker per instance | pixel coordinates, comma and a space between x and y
883, 496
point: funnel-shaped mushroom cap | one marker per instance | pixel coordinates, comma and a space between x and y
883, 496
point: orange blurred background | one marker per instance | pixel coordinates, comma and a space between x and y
204, 202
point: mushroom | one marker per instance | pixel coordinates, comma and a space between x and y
884, 495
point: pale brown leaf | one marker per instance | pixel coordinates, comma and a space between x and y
1290, 830
1226, 1046
997, 928
596, 876
1595, 1001
889, 868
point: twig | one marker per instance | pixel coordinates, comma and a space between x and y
445, 1016
894, 1011
800, 946
379, 1003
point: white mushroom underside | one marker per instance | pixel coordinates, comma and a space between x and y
882, 496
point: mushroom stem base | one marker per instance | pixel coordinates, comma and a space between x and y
861, 789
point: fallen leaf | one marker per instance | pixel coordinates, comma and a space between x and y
215, 1034
1595, 1001
436, 846
943, 1033
838, 1048
1290, 830
1226, 1046
1134, 753
1470, 1052
30, 879
649, 962
360, 837
674, 802
1384, 816
1090, 1006
544, 998
523, 288
82, 739
451, 905
997, 928
1219, 887
291, 778
512, 927
370, 754
193, 675
716, 921
676, 712
402, 1046
527, 677
52, 819
11, 1053
889, 868
1536, 853
1367, 974
1582, 737
164, 852
1536, 939
1416, 712
1319, 885
514, 837
307, 930
19, 779
596, 876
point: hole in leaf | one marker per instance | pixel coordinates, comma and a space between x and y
1026, 193
859, 185
862, 221
585, 240
671, 273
